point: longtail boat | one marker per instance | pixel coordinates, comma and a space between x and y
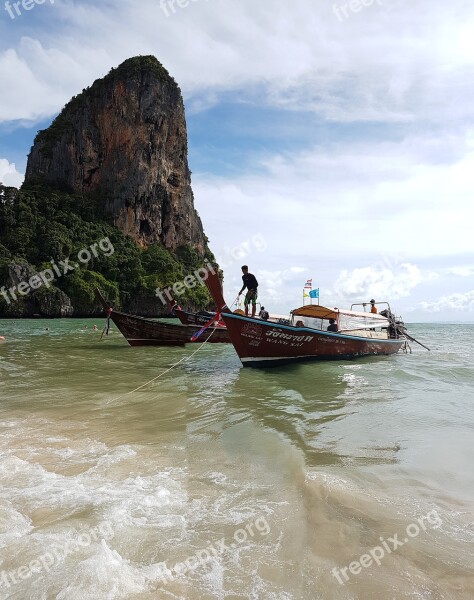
190, 318
139, 331
203, 316
304, 335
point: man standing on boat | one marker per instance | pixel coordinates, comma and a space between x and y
251, 283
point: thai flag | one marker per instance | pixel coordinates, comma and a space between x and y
308, 284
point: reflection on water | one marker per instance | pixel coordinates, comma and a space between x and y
333, 455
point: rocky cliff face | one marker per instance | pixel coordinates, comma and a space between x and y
43, 303
124, 141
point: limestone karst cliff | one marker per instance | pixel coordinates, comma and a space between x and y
124, 140
112, 164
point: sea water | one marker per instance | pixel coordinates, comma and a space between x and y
337, 480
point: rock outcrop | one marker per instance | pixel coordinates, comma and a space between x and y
45, 302
124, 140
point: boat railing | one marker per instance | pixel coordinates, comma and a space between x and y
364, 304
363, 332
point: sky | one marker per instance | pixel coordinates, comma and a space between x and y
328, 140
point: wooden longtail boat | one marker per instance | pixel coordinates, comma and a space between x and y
304, 335
203, 316
189, 318
139, 331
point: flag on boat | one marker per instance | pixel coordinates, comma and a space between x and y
305, 295
314, 293
308, 284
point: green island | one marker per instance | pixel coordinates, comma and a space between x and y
39, 223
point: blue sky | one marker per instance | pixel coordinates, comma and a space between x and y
345, 143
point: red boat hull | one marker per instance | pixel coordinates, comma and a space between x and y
139, 331
146, 332
266, 344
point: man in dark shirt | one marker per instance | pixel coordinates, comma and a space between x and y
251, 283
332, 325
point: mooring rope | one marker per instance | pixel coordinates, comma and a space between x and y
186, 358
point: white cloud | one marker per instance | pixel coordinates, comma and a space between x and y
395, 62
348, 203
364, 216
455, 303
380, 283
463, 271
9, 176
274, 285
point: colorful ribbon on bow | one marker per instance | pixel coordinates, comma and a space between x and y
215, 319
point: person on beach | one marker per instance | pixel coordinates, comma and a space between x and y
251, 283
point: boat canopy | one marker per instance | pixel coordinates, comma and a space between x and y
352, 321
316, 311
322, 312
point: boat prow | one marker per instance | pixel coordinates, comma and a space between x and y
189, 318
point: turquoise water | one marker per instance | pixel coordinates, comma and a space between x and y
311, 464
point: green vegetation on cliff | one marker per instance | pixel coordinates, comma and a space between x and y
39, 224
